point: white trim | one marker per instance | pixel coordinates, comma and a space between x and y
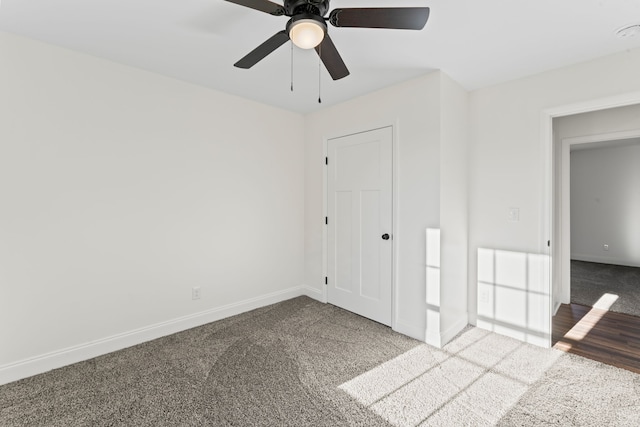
545, 225
622, 100
395, 241
325, 228
314, 293
564, 229
441, 338
454, 330
556, 307
603, 137
548, 205
394, 215
434, 339
413, 331
67, 356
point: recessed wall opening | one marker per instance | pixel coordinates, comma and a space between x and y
595, 245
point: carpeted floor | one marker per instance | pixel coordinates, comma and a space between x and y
590, 280
302, 363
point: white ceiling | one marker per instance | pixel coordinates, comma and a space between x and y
476, 42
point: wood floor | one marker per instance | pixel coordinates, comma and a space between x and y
601, 335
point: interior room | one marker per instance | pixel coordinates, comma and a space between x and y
596, 156
373, 235
605, 268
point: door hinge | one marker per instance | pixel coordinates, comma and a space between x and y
326, 280
326, 160
326, 220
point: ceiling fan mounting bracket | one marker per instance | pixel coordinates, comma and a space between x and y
313, 7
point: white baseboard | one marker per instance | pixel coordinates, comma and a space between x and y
67, 356
314, 293
556, 307
454, 330
409, 330
604, 260
439, 339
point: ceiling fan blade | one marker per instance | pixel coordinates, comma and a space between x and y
259, 53
331, 58
261, 5
401, 18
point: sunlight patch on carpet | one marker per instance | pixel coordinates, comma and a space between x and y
476, 378
606, 301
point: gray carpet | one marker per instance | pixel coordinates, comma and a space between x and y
590, 280
302, 363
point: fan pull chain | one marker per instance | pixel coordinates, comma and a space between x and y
292, 66
319, 73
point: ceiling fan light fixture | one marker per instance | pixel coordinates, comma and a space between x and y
307, 33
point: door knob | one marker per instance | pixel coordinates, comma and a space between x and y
385, 236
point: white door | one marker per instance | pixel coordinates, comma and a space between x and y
360, 250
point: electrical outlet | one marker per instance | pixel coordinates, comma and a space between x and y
196, 293
605, 247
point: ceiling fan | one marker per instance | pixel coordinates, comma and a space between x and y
307, 27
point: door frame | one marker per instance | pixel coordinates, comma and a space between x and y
394, 212
564, 205
548, 205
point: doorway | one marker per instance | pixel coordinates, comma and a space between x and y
598, 185
591, 185
360, 223
605, 223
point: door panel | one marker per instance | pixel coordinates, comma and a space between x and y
370, 255
360, 213
344, 257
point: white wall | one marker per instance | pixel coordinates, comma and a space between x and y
413, 108
605, 204
508, 159
512, 295
453, 210
120, 190
429, 115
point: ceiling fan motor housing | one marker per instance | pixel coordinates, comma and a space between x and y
311, 7
306, 17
